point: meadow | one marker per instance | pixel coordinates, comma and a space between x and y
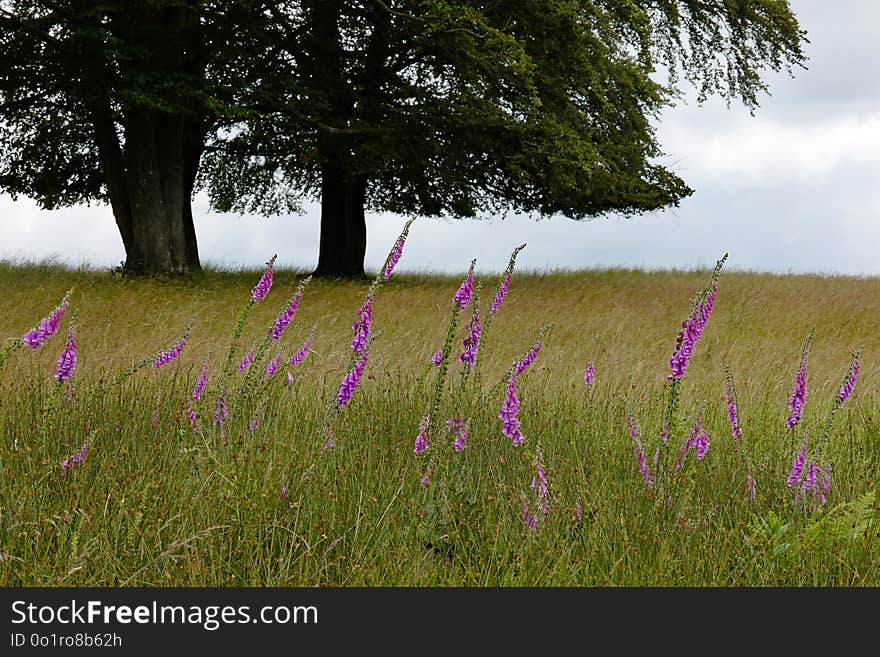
327, 473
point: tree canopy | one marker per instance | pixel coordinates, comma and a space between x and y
425, 107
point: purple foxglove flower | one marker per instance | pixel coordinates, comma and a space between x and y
751, 488
193, 418
499, 296
272, 367
508, 414
284, 319
426, 480
732, 414
529, 358
201, 382
798, 396
73, 461
849, 385
284, 491
167, 355
221, 413
644, 470
362, 326
541, 489
698, 441
505, 282
466, 290
797, 466
459, 428
691, 330
396, 252
350, 382
812, 476
590, 375
48, 326
67, 361
437, 358
300, 355
799, 393
289, 379
246, 361
261, 289
472, 342
330, 443
579, 511
824, 487
421, 443
664, 436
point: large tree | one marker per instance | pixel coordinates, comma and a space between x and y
114, 102
425, 107
458, 108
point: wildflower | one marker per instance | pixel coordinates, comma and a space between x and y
691, 331
426, 480
421, 443
589, 375
67, 360
508, 414
542, 490
797, 466
437, 358
463, 296
396, 252
245, 362
350, 381
272, 367
193, 418
289, 379
284, 491
330, 442
751, 488
644, 470
505, 281
812, 476
362, 326
698, 441
499, 296
472, 342
167, 355
201, 382
732, 412
254, 424
799, 393
529, 358
824, 487
459, 428
48, 326
849, 385
664, 435
579, 511
284, 319
300, 355
221, 412
73, 461
261, 289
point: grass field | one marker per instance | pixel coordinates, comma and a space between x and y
155, 502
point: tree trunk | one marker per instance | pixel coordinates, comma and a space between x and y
159, 189
150, 178
343, 226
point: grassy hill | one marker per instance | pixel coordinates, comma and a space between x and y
157, 502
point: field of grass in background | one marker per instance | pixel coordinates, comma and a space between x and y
156, 503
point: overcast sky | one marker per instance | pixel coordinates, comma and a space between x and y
795, 188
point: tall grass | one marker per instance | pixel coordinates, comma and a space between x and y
154, 502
